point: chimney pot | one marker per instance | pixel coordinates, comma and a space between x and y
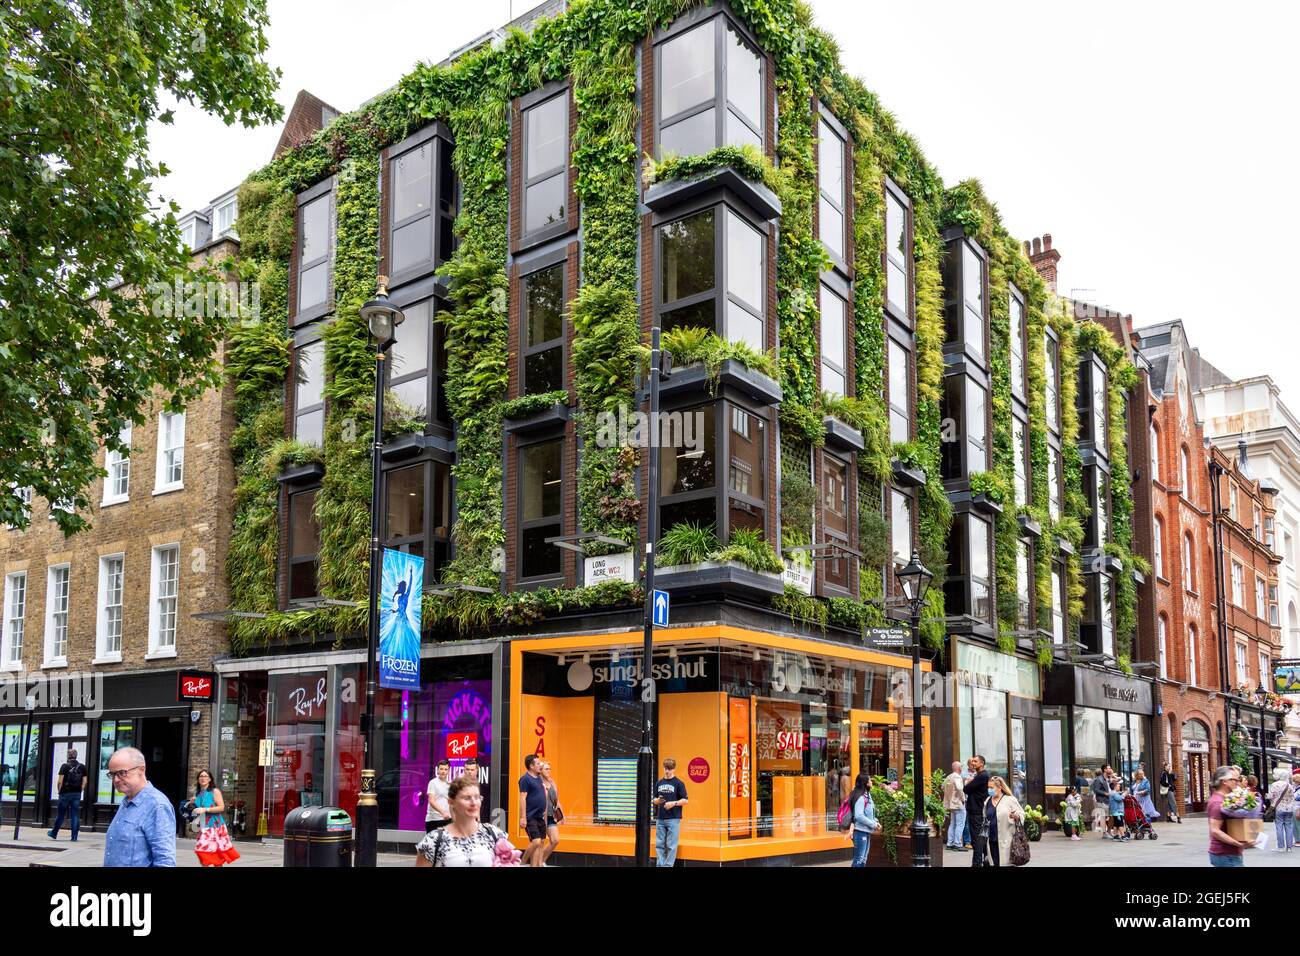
1047, 240
1038, 246
1027, 247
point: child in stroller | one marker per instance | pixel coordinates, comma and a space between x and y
1136, 823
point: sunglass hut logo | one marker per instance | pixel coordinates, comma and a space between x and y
75, 909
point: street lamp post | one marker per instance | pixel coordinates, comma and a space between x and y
915, 578
382, 318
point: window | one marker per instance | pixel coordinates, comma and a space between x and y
315, 228
1052, 374
1092, 389
1020, 449
981, 579
689, 489
1232, 500
964, 283
15, 617
190, 233
1238, 586
690, 293
109, 643
226, 213
171, 451
540, 501
1189, 579
900, 526
118, 466
411, 213
1053, 482
1158, 542
1243, 671
1103, 508
1024, 618
163, 601
898, 255
831, 210
835, 519
418, 348
418, 513
1162, 635
968, 587
1261, 606
309, 392
746, 505
1155, 453
1184, 471
1270, 539
1017, 319
965, 408
700, 106
56, 615
1193, 677
1265, 672
543, 323
1257, 524
1105, 617
1272, 606
546, 163
900, 393
304, 545
1058, 604
834, 337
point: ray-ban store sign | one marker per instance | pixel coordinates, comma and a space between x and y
195, 685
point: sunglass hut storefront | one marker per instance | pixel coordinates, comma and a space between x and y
768, 733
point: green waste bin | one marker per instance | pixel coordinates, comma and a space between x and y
318, 836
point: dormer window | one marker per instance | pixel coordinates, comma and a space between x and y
224, 216
190, 233
709, 90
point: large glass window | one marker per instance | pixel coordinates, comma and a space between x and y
1106, 613
1193, 674
304, 545
418, 513
420, 348
831, 209
1053, 483
698, 111
309, 393
980, 577
110, 605
1052, 374
15, 618
689, 256
833, 343
1058, 604
976, 427
118, 466
1090, 750
540, 508
546, 163
835, 517
1024, 619
900, 393
897, 255
166, 579
746, 475
113, 735
900, 526
1020, 448
543, 323
56, 614
314, 254
693, 442
1017, 317
171, 451
972, 271
688, 472
412, 210
968, 587
990, 727
1238, 586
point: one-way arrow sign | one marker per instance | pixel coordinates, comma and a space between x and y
661, 609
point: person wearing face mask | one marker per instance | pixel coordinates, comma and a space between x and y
977, 794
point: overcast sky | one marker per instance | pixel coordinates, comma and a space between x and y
1150, 139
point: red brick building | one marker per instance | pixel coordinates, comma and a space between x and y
1176, 622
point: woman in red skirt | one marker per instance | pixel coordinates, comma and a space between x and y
214, 847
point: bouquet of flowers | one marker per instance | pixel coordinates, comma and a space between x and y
1242, 804
503, 854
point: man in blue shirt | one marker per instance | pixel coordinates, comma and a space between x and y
143, 832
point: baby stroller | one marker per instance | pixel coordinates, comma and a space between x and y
1136, 823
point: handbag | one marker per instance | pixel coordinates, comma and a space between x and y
558, 815
1019, 846
1270, 809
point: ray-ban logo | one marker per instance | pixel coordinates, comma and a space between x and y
75, 909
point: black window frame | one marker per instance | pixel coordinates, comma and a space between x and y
556, 259
844, 204
894, 560
1052, 374
828, 285
1055, 478
1023, 447
966, 377
1090, 368
1060, 573
293, 560
1096, 487
959, 587
829, 535
303, 339
908, 318
528, 102
957, 341
894, 340
721, 492
557, 521
437, 417
1027, 606
718, 102
720, 202
1097, 625
1020, 384
322, 191
429, 539
442, 201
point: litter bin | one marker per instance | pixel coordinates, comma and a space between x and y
318, 836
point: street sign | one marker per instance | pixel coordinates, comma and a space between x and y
888, 638
660, 606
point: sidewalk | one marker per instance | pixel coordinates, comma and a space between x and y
34, 848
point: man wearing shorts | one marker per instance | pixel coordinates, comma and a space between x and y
532, 810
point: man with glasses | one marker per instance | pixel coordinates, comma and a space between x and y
143, 832
1224, 849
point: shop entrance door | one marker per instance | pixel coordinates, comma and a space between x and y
1194, 781
295, 727
65, 737
162, 740
874, 743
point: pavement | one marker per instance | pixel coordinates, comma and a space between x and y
34, 848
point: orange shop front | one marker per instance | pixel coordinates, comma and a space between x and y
768, 732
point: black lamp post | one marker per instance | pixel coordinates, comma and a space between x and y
914, 579
382, 318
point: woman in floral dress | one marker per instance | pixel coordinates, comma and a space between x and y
214, 847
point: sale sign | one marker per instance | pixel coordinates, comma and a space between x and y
781, 738
738, 769
462, 746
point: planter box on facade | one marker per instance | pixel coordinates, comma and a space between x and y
403, 447
693, 379
1064, 545
308, 474
1029, 526
546, 420
841, 437
718, 576
878, 855
674, 192
982, 502
907, 476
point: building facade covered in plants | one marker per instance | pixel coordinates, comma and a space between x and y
865, 364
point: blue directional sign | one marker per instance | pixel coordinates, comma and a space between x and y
661, 609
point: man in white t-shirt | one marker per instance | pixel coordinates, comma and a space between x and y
438, 813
